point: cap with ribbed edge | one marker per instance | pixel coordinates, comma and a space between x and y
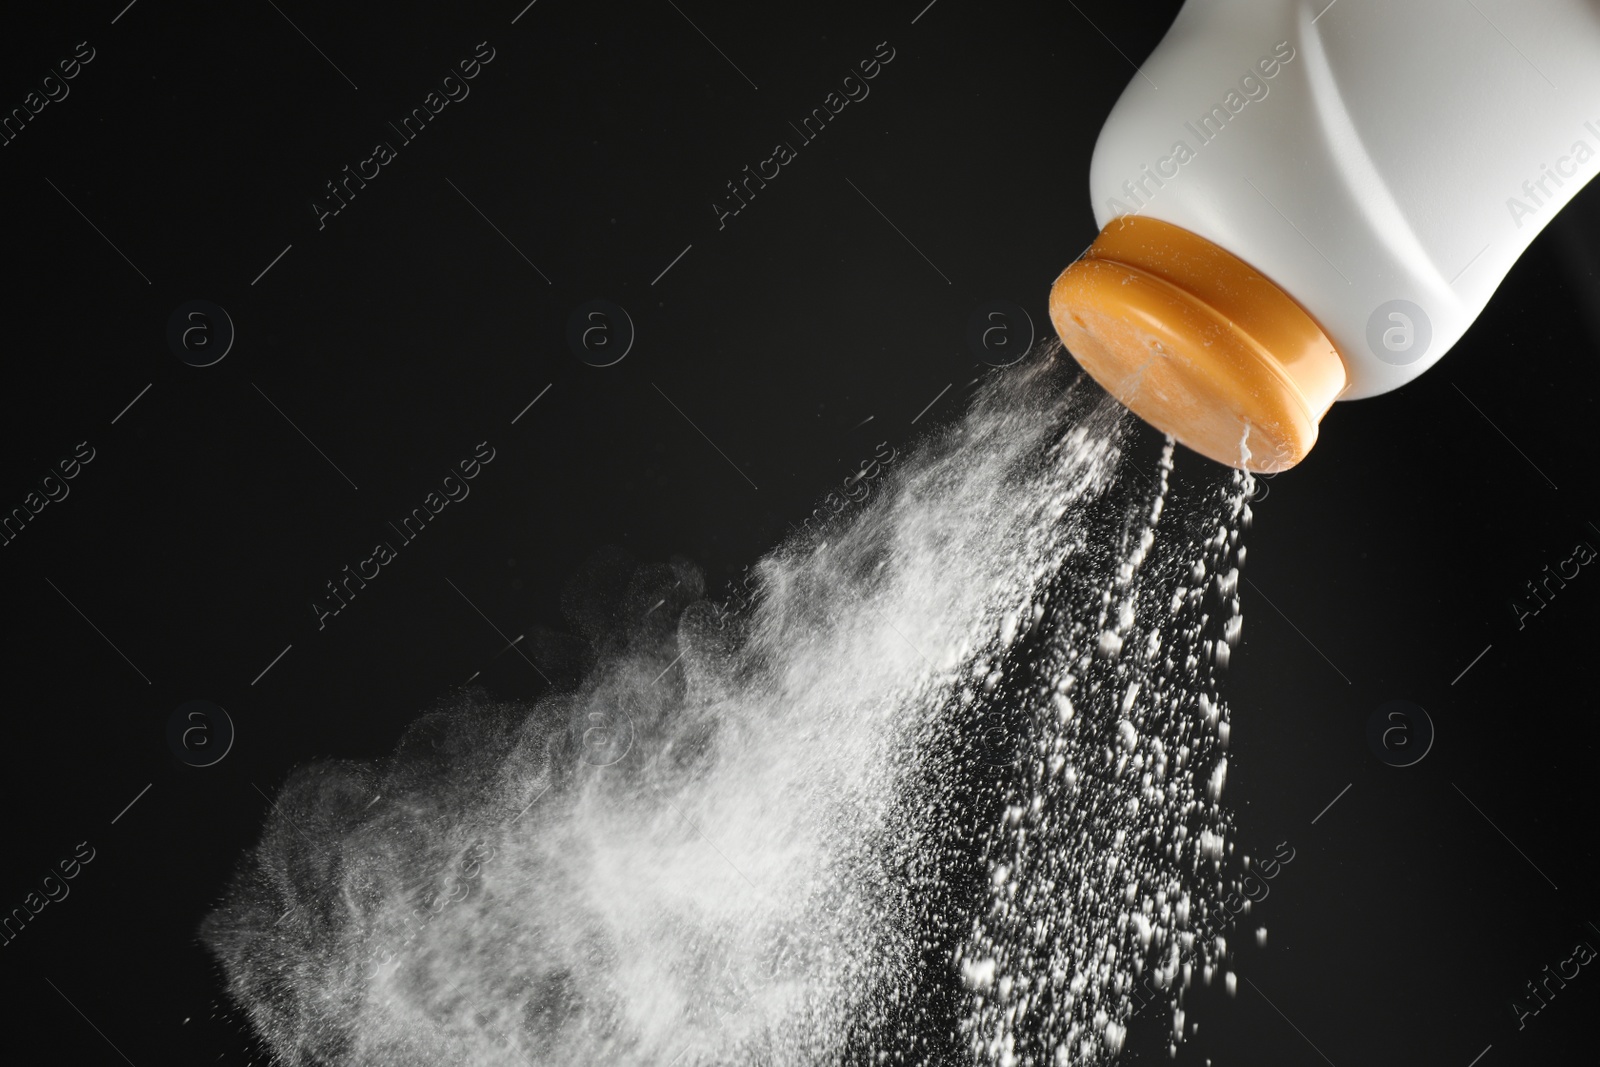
1198, 343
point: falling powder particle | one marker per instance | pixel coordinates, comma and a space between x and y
1107, 862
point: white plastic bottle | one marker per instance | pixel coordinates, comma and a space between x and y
1305, 201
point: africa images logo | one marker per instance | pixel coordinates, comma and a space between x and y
854, 90
1252, 87
1537, 190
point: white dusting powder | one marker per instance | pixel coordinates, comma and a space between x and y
958, 749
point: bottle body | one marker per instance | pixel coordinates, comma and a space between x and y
1384, 164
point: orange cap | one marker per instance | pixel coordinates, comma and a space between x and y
1198, 343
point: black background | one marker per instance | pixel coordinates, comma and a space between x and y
409, 329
